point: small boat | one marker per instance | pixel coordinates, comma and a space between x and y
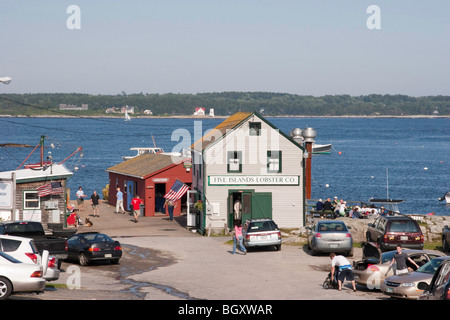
388, 204
321, 148
127, 116
446, 197
140, 151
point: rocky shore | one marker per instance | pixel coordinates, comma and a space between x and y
431, 228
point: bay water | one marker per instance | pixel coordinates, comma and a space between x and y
408, 158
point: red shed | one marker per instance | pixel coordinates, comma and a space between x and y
150, 176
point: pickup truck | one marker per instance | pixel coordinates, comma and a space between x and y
56, 246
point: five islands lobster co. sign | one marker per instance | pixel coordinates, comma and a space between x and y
253, 180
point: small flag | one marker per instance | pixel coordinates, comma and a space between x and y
177, 191
50, 188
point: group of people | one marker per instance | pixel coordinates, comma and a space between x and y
340, 209
94, 201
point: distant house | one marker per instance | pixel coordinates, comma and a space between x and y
150, 176
148, 112
25, 202
199, 112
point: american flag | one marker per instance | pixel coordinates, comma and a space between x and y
50, 188
177, 191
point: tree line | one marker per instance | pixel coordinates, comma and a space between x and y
226, 103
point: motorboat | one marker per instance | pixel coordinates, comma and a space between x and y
446, 197
140, 151
388, 204
321, 148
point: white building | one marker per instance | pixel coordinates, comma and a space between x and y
246, 158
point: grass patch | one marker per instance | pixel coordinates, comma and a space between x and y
56, 286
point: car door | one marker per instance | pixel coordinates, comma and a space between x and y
373, 231
439, 283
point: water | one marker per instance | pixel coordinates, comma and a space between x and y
363, 150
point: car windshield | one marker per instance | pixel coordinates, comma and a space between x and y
331, 226
257, 226
430, 267
403, 226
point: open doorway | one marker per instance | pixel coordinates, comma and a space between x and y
160, 191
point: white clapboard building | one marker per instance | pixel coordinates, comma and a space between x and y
247, 159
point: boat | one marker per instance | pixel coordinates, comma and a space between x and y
446, 197
127, 116
140, 151
388, 204
321, 148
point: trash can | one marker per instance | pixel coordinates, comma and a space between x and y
142, 210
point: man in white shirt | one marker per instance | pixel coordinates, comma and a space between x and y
345, 270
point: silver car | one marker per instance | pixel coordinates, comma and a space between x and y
16, 276
261, 233
330, 236
405, 286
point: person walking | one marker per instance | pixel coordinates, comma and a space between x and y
136, 203
345, 270
95, 203
119, 201
170, 205
238, 237
80, 199
400, 259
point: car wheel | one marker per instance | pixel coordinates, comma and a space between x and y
278, 247
367, 236
115, 261
313, 251
5, 288
350, 253
82, 259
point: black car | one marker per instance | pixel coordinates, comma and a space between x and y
93, 246
439, 288
390, 231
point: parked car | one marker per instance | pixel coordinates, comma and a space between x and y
55, 245
330, 236
389, 231
374, 266
261, 233
25, 250
446, 239
439, 287
93, 246
16, 276
404, 286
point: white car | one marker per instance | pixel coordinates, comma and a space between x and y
16, 276
24, 249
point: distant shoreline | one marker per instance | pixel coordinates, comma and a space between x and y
221, 117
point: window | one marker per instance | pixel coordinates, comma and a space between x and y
31, 200
234, 161
274, 161
255, 128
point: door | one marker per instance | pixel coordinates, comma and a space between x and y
245, 199
131, 192
261, 205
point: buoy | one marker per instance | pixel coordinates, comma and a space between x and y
327, 185
340, 152
425, 168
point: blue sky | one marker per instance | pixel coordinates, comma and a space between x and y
302, 47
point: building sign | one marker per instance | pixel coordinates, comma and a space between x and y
260, 180
6, 196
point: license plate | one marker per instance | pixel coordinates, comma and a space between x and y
389, 290
108, 255
404, 238
263, 237
334, 245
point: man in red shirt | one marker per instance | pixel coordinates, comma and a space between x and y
136, 203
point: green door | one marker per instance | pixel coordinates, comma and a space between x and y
262, 205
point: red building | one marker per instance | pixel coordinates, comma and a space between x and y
150, 176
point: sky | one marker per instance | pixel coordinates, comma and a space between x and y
300, 47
